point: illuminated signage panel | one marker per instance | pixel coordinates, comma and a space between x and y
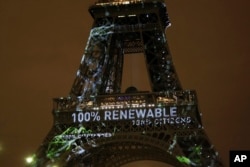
137, 116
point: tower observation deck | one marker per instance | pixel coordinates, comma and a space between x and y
98, 125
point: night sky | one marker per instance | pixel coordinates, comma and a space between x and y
42, 42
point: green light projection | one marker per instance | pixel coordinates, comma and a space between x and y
60, 143
194, 158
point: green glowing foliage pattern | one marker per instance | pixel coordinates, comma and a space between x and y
60, 144
194, 158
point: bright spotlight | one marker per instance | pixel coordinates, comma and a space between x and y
55, 166
30, 159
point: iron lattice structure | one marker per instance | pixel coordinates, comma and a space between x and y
97, 125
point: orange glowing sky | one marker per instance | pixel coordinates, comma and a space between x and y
41, 44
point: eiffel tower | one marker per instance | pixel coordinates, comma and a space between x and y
99, 125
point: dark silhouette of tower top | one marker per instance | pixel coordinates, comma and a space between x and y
98, 125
